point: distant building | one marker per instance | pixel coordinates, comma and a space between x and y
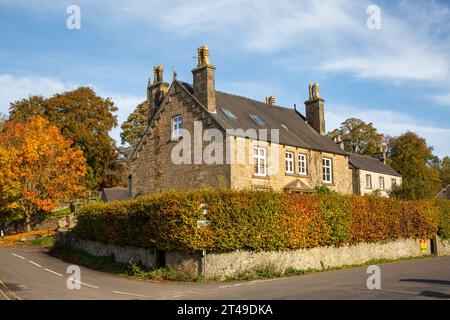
370, 174
444, 193
113, 194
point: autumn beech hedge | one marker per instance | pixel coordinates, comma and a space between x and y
259, 220
443, 209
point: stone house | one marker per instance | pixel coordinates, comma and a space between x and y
372, 174
199, 137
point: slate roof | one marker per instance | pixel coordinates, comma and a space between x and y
113, 194
371, 164
293, 129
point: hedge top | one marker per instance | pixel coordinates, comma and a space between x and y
259, 220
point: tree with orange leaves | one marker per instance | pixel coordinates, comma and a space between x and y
38, 168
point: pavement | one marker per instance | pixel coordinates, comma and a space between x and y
31, 274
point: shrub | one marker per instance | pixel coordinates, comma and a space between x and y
259, 220
443, 212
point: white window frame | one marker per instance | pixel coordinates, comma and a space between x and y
327, 170
177, 125
381, 182
368, 181
393, 182
302, 164
260, 158
289, 161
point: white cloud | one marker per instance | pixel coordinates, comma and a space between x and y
413, 43
391, 123
443, 99
331, 33
399, 67
125, 105
14, 88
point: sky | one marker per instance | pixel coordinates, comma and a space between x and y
396, 74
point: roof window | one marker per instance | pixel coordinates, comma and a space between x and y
256, 119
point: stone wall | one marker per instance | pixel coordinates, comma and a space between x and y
219, 265
443, 246
147, 257
316, 258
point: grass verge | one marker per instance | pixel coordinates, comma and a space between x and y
44, 242
132, 269
43, 238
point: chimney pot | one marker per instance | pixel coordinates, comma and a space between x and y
203, 56
158, 72
270, 100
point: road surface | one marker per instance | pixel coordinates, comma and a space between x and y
30, 273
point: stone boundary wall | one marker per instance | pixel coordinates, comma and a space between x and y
443, 247
220, 265
147, 257
316, 258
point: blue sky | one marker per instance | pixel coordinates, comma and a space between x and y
397, 77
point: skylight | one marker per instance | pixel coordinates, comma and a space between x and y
256, 119
229, 114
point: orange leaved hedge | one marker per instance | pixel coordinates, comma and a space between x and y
258, 220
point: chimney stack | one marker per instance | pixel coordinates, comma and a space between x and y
381, 154
339, 142
204, 87
314, 106
156, 90
270, 100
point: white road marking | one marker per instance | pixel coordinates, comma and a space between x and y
260, 281
130, 294
51, 271
85, 284
4, 295
15, 296
37, 265
16, 255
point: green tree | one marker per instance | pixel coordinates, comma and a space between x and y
22, 110
133, 128
410, 155
82, 117
358, 136
117, 171
445, 170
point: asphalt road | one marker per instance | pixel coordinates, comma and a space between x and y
30, 273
